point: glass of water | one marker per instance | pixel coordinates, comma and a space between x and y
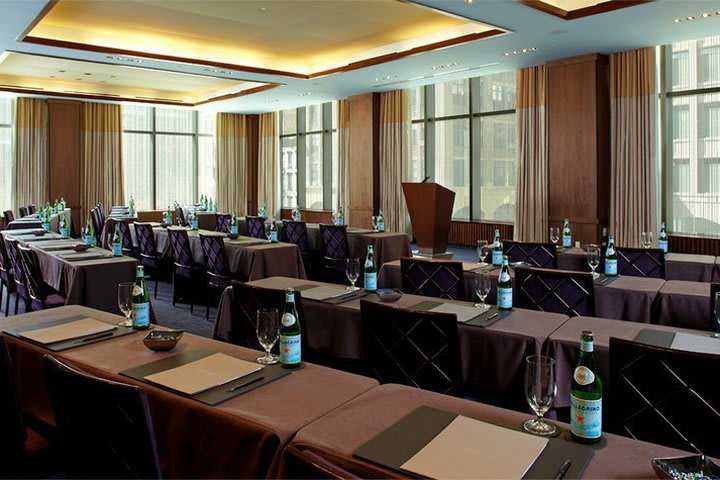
647, 239
267, 330
554, 235
125, 296
540, 390
352, 271
482, 289
268, 231
375, 223
593, 259
482, 251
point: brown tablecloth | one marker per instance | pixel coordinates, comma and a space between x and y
344, 430
564, 346
693, 268
573, 258
684, 304
387, 246
493, 358
239, 438
33, 221
206, 220
627, 298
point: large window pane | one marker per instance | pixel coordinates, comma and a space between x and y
416, 159
171, 120
206, 123
452, 162
452, 98
137, 117
138, 169
497, 168
288, 171
314, 171
207, 164
417, 103
174, 175
313, 118
497, 92
288, 122
6, 153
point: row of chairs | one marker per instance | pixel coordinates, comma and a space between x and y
9, 216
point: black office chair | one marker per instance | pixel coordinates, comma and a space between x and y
23, 211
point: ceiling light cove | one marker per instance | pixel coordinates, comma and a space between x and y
691, 18
445, 65
521, 51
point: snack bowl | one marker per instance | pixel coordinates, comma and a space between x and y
693, 466
389, 294
39, 232
162, 340
80, 247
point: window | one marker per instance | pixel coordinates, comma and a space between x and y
168, 155
691, 167
463, 134
309, 157
6, 153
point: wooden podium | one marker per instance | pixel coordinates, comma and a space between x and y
430, 206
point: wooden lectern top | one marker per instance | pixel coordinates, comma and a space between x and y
430, 206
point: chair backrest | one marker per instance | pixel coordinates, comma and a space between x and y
557, 291
105, 426
441, 279
224, 222
180, 216
145, 239
305, 461
124, 225
214, 249
31, 209
714, 290
23, 211
4, 258
255, 226
640, 262
37, 288
9, 216
334, 241
180, 246
412, 347
541, 255
101, 213
15, 261
665, 396
12, 425
97, 225
295, 232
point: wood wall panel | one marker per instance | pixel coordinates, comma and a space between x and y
696, 245
468, 233
64, 155
253, 161
364, 188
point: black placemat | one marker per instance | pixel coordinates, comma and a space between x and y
398, 443
489, 317
84, 257
605, 280
657, 338
215, 395
75, 342
346, 297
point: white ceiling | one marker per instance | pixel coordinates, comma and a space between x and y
555, 38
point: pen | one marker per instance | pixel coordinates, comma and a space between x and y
238, 387
563, 469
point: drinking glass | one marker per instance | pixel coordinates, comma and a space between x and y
540, 389
268, 331
165, 217
717, 314
125, 296
352, 270
334, 218
593, 259
647, 239
482, 289
268, 231
554, 235
482, 251
375, 223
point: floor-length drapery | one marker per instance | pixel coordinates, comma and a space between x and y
394, 124
267, 162
31, 157
531, 210
232, 163
343, 199
633, 202
102, 174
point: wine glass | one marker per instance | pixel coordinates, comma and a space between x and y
334, 218
268, 331
540, 390
593, 259
125, 296
554, 235
165, 217
482, 251
268, 231
375, 223
647, 239
717, 314
352, 270
482, 289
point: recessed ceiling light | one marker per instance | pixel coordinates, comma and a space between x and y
677, 20
79, 79
705, 15
52, 76
88, 74
521, 51
304, 94
468, 1
263, 9
445, 65
113, 76
690, 18
61, 71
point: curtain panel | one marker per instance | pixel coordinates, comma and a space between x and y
232, 163
394, 125
102, 174
344, 160
531, 210
633, 201
267, 162
31, 156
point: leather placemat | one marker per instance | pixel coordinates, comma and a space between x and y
489, 317
398, 443
347, 297
657, 338
68, 344
605, 280
215, 395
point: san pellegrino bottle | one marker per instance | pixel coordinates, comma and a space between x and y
89, 233
497, 250
140, 301
566, 234
586, 395
169, 220
298, 215
340, 216
505, 287
63, 229
370, 270
663, 238
290, 333
273, 231
194, 222
234, 225
132, 206
55, 206
263, 212
611, 258
46, 221
381, 221
62, 203
117, 242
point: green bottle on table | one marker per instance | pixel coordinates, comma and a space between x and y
63, 227
663, 239
117, 242
505, 287
62, 203
140, 301
586, 395
234, 225
370, 270
273, 231
497, 250
89, 233
290, 333
381, 221
340, 216
611, 263
566, 234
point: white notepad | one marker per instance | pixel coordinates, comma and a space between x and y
68, 331
696, 343
463, 313
469, 448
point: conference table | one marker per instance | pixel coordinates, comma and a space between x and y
33, 221
242, 437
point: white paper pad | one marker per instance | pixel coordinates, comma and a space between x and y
696, 343
323, 293
200, 375
469, 448
463, 313
68, 331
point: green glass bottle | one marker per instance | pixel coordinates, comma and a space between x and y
586, 395
663, 238
370, 270
566, 234
290, 333
63, 228
497, 250
89, 233
234, 225
273, 231
611, 263
117, 242
140, 301
381, 221
505, 287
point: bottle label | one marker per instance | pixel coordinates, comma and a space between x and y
497, 257
46, 226
288, 319
663, 245
64, 232
567, 241
586, 346
290, 349
141, 314
117, 249
611, 266
273, 236
88, 240
585, 417
381, 226
504, 277
371, 281
583, 375
340, 221
137, 291
504, 297
195, 224
234, 230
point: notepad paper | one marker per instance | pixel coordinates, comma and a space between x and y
200, 375
323, 293
696, 343
462, 312
469, 448
67, 331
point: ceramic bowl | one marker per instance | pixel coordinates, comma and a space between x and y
162, 340
685, 467
389, 294
39, 232
80, 247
